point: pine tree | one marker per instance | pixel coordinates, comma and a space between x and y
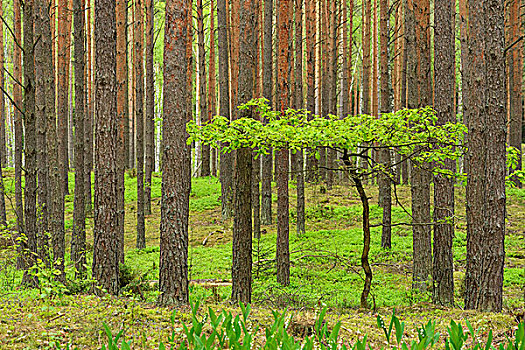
105, 248
176, 182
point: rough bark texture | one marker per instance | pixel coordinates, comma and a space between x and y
105, 248
311, 163
203, 105
365, 109
266, 161
298, 104
226, 161
30, 245
212, 86
176, 174
445, 79
515, 76
78, 239
419, 95
384, 180
17, 97
138, 66
149, 122
486, 120
64, 55
3, 149
242, 221
122, 112
283, 249
88, 122
41, 72
56, 221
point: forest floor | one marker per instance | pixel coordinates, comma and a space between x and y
325, 271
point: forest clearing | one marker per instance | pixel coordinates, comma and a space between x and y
325, 272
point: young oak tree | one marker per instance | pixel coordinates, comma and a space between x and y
405, 130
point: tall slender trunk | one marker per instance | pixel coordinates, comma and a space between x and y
384, 180
176, 174
88, 121
515, 74
56, 223
3, 149
105, 248
256, 161
420, 96
283, 248
121, 13
212, 90
203, 105
19, 143
139, 119
150, 107
444, 71
298, 89
266, 162
486, 121
365, 109
242, 222
30, 144
78, 239
64, 54
311, 161
226, 161
41, 73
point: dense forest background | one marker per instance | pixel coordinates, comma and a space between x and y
285, 153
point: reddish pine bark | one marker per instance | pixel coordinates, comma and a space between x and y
176, 174
105, 248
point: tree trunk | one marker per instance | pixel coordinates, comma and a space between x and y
43, 72
212, 90
418, 76
176, 174
283, 249
64, 53
78, 239
366, 65
266, 161
121, 12
30, 247
486, 120
242, 222
3, 149
515, 73
19, 143
384, 180
139, 119
55, 198
203, 106
298, 89
88, 121
445, 79
150, 108
226, 161
311, 161
105, 248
